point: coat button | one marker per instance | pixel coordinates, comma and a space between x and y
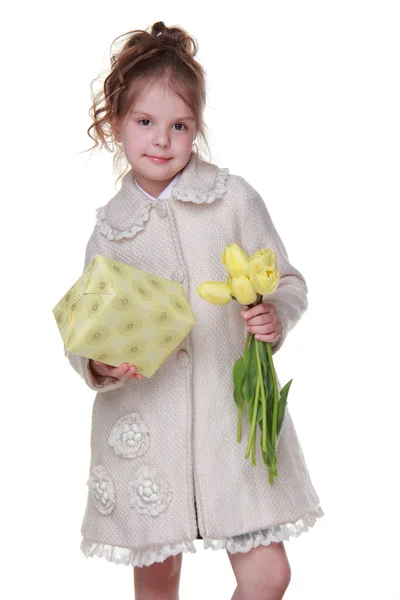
178, 275
182, 358
161, 210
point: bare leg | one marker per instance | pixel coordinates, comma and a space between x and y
159, 581
263, 573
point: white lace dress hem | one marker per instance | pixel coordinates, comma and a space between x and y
264, 537
142, 557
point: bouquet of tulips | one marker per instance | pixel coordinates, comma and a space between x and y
254, 378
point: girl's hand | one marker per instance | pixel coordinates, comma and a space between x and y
262, 320
124, 371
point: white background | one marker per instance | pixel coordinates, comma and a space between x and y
303, 102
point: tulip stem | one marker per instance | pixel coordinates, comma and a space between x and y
275, 405
246, 345
253, 452
239, 425
263, 401
270, 475
254, 422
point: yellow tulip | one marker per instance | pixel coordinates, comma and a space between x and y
215, 292
262, 259
243, 290
235, 260
263, 272
267, 255
229, 283
265, 282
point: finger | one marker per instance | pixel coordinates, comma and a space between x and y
124, 371
263, 319
130, 372
257, 329
118, 371
135, 374
271, 337
262, 329
261, 334
254, 311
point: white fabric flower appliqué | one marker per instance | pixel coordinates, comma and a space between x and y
149, 491
130, 436
102, 490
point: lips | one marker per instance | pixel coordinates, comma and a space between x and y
157, 160
159, 157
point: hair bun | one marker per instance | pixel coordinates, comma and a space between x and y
174, 37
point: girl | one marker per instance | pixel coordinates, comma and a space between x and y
181, 475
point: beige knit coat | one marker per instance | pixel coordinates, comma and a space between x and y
165, 464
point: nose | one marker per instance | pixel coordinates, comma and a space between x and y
161, 137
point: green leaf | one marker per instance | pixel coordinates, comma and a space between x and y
282, 405
262, 351
238, 396
269, 392
247, 353
246, 390
251, 370
239, 372
270, 451
269, 456
250, 406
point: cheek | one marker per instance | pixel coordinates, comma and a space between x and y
187, 142
132, 141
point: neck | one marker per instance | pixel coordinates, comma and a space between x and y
154, 188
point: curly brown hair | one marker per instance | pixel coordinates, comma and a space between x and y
165, 54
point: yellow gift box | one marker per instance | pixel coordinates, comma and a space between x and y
116, 313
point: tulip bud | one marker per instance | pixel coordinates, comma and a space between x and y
267, 255
263, 272
235, 260
215, 292
262, 260
265, 282
243, 290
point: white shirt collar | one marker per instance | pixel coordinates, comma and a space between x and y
167, 192
128, 211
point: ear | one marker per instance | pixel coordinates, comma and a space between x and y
115, 127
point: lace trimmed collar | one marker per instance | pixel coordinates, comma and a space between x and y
126, 213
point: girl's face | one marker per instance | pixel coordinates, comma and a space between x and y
159, 124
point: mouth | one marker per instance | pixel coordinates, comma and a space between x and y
159, 159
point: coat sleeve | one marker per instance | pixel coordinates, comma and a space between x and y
257, 232
81, 364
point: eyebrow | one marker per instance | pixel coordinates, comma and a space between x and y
140, 112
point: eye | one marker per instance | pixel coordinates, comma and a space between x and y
141, 121
181, 125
